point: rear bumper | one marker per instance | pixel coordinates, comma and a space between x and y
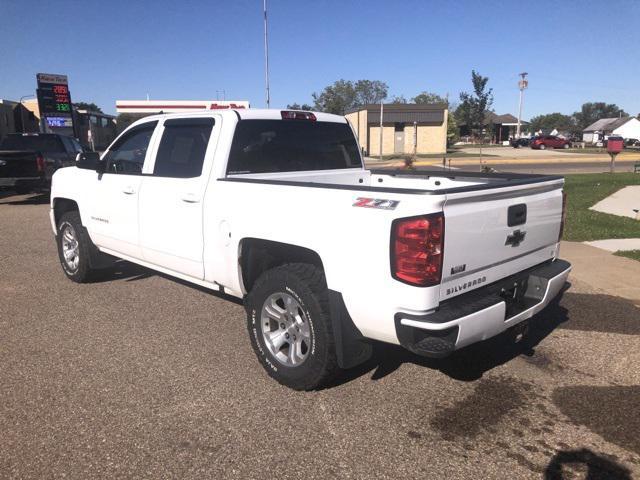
482, 313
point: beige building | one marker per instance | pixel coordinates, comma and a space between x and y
406, 128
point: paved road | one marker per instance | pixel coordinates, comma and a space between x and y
510, 152
141, 376
560, 168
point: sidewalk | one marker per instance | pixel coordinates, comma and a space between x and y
617, 276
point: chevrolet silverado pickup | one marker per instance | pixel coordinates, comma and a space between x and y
277, 208
28, 160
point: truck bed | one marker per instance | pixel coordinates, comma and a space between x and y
425, 182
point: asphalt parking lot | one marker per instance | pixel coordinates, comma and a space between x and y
142, 376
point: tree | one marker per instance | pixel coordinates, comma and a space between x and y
370, 91
474, 106
91, 107
398, 99
123, 120
295, 106
345, 94
552, 121
593, 111
336, 98
429, 98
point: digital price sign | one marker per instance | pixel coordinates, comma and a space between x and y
54, 99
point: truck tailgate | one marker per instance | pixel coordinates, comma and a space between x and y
18, 164
493, 233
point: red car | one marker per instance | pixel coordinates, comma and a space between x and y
550, 141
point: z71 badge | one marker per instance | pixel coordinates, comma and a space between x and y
376, 203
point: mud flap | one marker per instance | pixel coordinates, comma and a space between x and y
351, 347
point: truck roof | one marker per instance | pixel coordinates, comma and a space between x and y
243, 114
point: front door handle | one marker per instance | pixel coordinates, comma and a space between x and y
190, 198
128, 191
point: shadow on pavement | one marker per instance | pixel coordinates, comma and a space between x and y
613, 412
470, 363
131, 272
589, 465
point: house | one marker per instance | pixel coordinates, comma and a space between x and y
503, 127
625, 127
407, 128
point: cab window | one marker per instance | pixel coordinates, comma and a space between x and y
127, 155
182, 148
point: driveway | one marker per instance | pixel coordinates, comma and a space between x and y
142, 376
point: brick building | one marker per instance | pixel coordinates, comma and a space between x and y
406, 128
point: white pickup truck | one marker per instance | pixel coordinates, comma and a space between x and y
276, 207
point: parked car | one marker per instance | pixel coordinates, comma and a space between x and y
549, 141
631, 142
27, 161
520, 142
277, 208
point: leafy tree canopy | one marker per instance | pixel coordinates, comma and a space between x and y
343, 95
474, 106
593, 111
295, 106
92, 107
429, 98
552, 121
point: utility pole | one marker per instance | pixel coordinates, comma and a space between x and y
266, 55
522, 84
381, 114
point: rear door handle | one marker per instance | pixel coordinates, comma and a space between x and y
128, 190
190, 198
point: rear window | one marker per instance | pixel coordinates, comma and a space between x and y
264, 146
41, 143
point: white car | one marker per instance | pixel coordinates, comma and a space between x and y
276, 207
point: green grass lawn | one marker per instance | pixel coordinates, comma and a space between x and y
634, 254
584, 191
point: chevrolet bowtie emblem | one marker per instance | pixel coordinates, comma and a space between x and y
516, 238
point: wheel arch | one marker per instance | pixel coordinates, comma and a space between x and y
257, 255
62, 205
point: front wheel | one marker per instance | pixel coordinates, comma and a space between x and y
542, 146
74, 248
290, 327
565, 146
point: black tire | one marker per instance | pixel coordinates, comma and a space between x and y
306, 284
83, 272
22, 189
543, 146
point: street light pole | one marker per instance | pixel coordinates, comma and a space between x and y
522, 84
266, 55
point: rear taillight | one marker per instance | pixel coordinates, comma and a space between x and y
294, 115
40, 164
564, 215
416, 249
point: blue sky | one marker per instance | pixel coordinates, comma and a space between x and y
574, 51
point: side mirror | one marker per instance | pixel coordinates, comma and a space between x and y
90, 161
87, 160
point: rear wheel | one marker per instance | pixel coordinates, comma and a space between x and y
542, 146
290, 328
74, 248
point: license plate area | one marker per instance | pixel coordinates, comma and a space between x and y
514, 297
